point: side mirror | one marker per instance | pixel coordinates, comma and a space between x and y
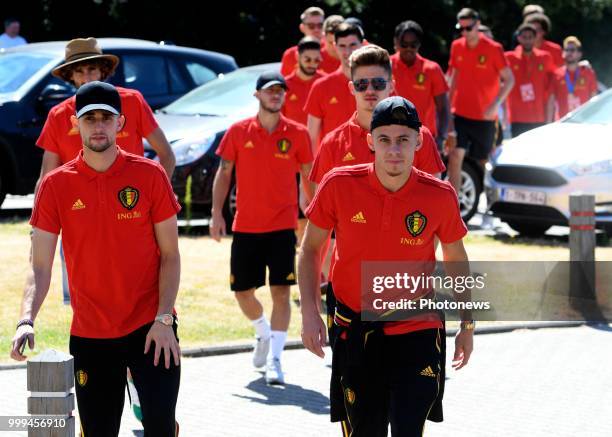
53, 94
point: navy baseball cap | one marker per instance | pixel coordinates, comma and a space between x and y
97, 95
395, 110
270, 78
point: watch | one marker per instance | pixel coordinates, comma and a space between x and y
468, 325
165, 319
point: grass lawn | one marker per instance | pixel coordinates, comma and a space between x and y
207, 310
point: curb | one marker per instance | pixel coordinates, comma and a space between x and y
210, 351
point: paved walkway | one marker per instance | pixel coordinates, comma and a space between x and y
546, 382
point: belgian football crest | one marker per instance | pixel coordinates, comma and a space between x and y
482, 59
415, 223
128, 197
420, 78
283, 145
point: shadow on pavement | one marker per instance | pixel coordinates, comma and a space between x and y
289, 394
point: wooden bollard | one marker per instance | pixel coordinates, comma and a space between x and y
50, 381
582, 246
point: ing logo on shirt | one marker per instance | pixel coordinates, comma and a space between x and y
350, 396
415, 223
482, 59
128, 197
293, 97
420, 78
73, 131
283, 145
81, 377
581, 81
540, 67
333, 100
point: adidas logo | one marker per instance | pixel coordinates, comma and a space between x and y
249, 145
290, 277
428, 372
293, 97
74, 131
78, 204
333, 101
348, 157
358, 218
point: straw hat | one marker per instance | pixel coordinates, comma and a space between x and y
83, 49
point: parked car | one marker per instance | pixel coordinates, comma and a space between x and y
195, 125
162, 73
532, 176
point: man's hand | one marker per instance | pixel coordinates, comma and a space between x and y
314, 334
24, 333
464, 345
450, 143
492, 110
164, 338
216, 226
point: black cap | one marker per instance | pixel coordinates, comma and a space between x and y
97, 95
395, 110
270, 78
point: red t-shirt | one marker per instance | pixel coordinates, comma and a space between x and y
106, 220
266, 164
289, 62
420, 83
331, 100
585, 85
58, 135
348, 145
476, 76
297, 93
555, 51
370, 225
532, 73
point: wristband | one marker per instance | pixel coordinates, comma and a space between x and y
25, 322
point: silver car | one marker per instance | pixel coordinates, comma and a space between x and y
531, 177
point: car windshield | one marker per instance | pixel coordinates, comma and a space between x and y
219, 97
598, 111
17, 68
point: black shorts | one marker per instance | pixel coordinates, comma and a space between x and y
252, 253
520, 128
100, 369
476, 136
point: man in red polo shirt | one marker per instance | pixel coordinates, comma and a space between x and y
532, 69
420, 80
104, 202
301, 80
330, 102
478, 66
311, 25
266, 151
573, 84
543, 26
378, 367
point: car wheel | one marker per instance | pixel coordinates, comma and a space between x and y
469, 193
529, 229
229, 209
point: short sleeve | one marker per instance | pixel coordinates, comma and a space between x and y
322, 210
147, 120
452, 63
288, 62
438, 81
227, 147
452, 227
313, 102
304, 151
427, 158
45, 213
164, 203
323, 162
500, 60
48, 136
592, 82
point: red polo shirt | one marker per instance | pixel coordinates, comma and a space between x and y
266, 163
420, 83
289, 62
348, 145
476, 76
532, 73
585, 85
297, 93
555, 51
58, 135
370, 225
106, 220
331, 100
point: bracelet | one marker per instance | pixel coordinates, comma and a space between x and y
22, 322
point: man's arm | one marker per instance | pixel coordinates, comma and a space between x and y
507, 82
550, 108
162, 147
50, 161
308, 186
442, 117
166, 234
221, 185
456, 264
309, 274
314, 130
36, 289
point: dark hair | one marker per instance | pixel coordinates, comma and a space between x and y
467, 13
526, 27
105, 66
370, 55
408, 26
346, 29
10, 20
308, 43
541, 19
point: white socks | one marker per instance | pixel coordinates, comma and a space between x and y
277, 344
262, 327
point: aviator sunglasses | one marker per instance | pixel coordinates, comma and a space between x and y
378, 83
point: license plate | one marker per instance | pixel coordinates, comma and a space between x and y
523, 196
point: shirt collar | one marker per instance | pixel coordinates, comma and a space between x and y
380, 189
90, 173
282, 125
354, 125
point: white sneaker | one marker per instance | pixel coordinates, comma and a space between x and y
274, 372
260, 353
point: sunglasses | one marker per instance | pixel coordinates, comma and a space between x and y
466, 28
378, 83
313, 26
571, 49
410, 45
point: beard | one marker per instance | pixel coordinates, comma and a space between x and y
272, 110
99, 148
307, 72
